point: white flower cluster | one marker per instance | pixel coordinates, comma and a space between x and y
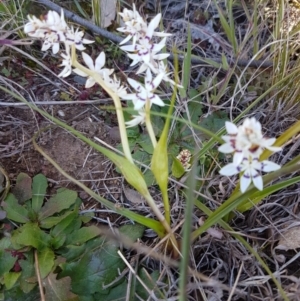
247, 143
53, 30
144, 51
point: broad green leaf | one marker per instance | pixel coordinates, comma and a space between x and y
64, 224
46, 261
7, 262
132, 231
22, 190
72, 253
149, 178
145, 142
10, 279
57, 241
39, 187
94, 270
150, 283
62, 200
31, 235
27, 282
17, 294
14, 210
177, 168
117, 292
51, 221
215, 121
58, 290
82, 235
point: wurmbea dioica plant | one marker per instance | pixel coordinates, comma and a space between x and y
246, 141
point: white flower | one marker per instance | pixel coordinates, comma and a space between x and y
76, 38
134, 25
97, 67
251, 169
144, 47
137, 119
33, 25
145, 93
246, 140
115, 85
67, 62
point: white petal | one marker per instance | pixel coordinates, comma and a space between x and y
157, 100
245, 182
226, 148
80, 72
152, 25
258, 182
161, 56
130, 96
268, 166
126, 39
55, 48
157, 80
129, 48
134, 84
231, 128
139, 104
100, 61
229, 170
90, 82
238, 157
88, 61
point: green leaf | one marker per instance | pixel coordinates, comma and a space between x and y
15, 211
117, 292
31, 235
51, 221
132, 231
68, 218
150, 283
39, 187
82, 235
58, 290
58, 241
215, 121
46, 261
22, 190
10, 279
94, 269
145, 142
62, 200
177, 168
7, 262
17, 294
28, 278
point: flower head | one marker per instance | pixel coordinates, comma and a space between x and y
246, 140
97, 67
67, 63
137, 119
145, 93
251, 169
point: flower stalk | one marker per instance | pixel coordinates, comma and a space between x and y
116, 100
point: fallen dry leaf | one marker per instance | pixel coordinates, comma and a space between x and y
290, 239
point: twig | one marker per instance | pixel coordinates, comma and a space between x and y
37, 270
117, 39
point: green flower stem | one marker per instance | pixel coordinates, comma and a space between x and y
163, 221
149, 124
116, 99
